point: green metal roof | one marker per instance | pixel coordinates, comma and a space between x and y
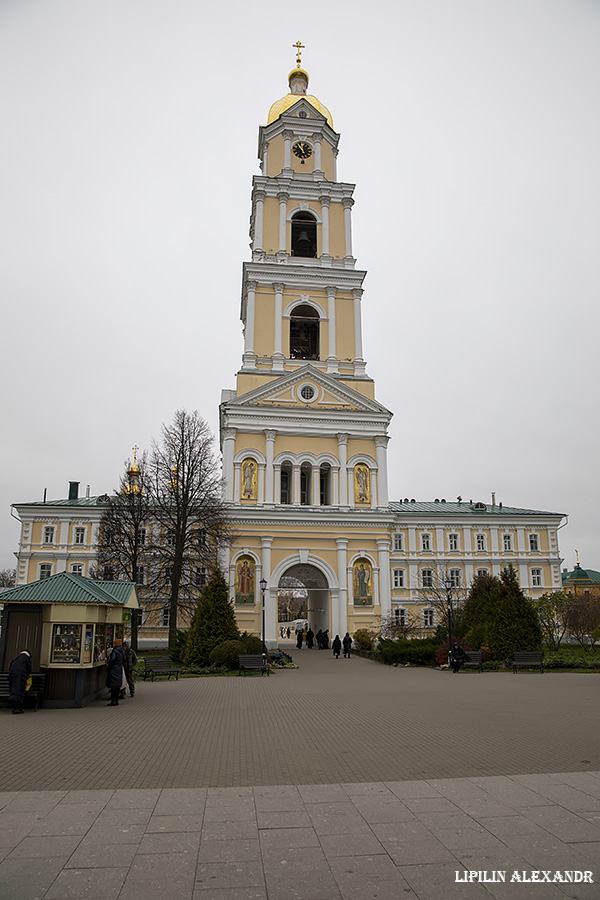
441, 508
79, 502
579, 575
65, 587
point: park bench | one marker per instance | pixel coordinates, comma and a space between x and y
35, 692
528, 659
474, 659
253, 662
159, 665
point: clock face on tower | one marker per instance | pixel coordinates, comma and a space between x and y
302, 150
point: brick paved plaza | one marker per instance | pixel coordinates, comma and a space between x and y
341, 780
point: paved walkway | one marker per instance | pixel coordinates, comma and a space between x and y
341, 780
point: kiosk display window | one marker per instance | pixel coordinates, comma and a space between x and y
100, 643
66, 644
88, 644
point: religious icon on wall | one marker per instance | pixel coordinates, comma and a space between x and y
363, 583
244, 580
249, 480
362, 484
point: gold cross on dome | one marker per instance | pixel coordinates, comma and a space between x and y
135, 449
299, 48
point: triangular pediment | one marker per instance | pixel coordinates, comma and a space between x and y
304, 104
308, 388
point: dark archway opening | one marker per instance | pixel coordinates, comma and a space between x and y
304, 235
304, 333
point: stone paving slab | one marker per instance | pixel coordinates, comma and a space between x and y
222, 791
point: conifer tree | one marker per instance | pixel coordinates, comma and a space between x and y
213, 622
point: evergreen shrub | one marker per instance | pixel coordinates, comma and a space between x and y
364, 640
252, 643
417, 652
226, 654
213, 622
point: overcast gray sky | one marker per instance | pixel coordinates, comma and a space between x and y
471, 129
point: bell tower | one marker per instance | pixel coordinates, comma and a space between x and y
302, 436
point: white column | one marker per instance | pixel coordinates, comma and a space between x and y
521, 540
283, 197
331, 361
494, 540
270, 594
317, 138
228, 454
278, 351
237, 481
358, 349
343, 455
277, 482
325, 225
316, 485
261, 482
348, 204
258, 220
335, 158
296, 499
467, 540
265, 150
270, 443
385, 595
249, 354
335, 485
381, 442
374, 488
287, 149
340, 614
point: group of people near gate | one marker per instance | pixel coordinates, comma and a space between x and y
322, 639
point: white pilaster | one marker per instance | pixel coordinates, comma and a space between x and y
277, 482
317, 138
228, 454
278, 351
270, 443
270, 594
249, 358
358, 349
296, 501
348, 204
343, 455
325, 225
316, 486
258, 220
332, 362
261, 482
381, 442
237, 480
385, 594
283, 197
287, 149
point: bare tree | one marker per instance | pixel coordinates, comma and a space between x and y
446, 601
8, 578
183, 481
404, 625
553, 613
583, 617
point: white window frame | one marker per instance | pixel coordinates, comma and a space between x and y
507, 543
482, 572
398, 579
534, 543
426, 542
428, 617
400, 616
201, 574
537, 577
141, 575
45, 568
480, 542
79, 535
165, 617
398, 542
170, 538
75, 566
455, 577
427, 580
48, 534
166, 575
453, 539
142, 536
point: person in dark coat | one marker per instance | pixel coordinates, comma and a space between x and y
347, 642
129, 661
319, 639
325, 639
457, 657
114, 674
310, 638
336, 646
288, 633
299, 640
18, 673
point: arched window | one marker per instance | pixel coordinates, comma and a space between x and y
286, 484
304, 333
304, 235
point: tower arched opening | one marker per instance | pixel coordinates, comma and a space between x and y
304, 235
304, 332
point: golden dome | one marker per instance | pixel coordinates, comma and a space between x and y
280, 106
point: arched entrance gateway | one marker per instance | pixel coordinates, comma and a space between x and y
303, 594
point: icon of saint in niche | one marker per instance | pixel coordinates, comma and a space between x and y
245, 582
248, 480
362, 484
362, 588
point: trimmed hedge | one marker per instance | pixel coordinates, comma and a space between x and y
226, 654
417, 652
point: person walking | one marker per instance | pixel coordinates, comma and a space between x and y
325, 639
114, 675
310, 638
288, 632
457, 657
347, 642
319, 637
18, 674
129, 661
336, 646
299, 640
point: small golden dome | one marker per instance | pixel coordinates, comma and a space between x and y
280, 106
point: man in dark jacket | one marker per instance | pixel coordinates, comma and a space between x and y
336, 646
457, 657
114, 674
18, 673
129, 661
347, 642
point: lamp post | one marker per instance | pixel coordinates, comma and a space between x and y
449, 600
263, 587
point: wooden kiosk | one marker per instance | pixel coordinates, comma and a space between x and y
69, 624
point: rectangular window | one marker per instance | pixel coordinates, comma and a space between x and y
398, 575
49, 534
480, 541
427, 578
200, 576
106, 536
483, 572
77, 568
165, 616
141, 616
397, 542
79, 535
452, 542
428, 618
108, 573
425, 542
454, 576
45, 570
170, 538
140, 575
400, 616
534, 542
507, 542
66, 643
536, 577
142, 536
167, 575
